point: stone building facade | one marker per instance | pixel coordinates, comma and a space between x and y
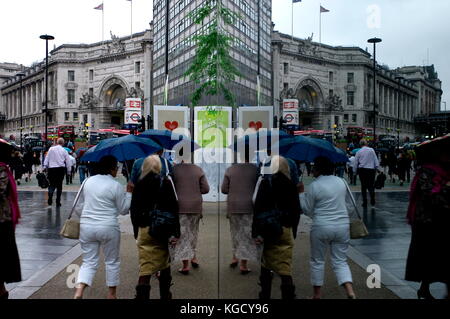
7, 71
87, 83
334, 86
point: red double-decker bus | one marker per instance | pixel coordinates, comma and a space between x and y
356, 133
67, 132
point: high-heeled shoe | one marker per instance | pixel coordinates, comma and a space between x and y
195, 264
424, 294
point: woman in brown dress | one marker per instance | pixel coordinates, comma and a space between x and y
190, 183
9, 217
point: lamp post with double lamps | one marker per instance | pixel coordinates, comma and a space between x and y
46, 37
21, 75
374, 41
399, 79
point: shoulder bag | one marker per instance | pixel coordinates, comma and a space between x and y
357, 227
71, 228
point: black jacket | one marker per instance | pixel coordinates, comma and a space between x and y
150, 193
281, 193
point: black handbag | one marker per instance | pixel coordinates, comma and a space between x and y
162, 224
268, 224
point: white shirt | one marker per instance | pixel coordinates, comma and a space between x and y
57, 156
72, 163
325, 202
351, 163
103, 199
366, 158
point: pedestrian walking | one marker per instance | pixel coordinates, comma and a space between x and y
9, 217
278, 193
28, 165
136, 168
429, 217
351, 169
56, 163
403, 165
153, 192
190, 184
239, 184
82, 167
36, 162
102, 200
17, 166
325, 203
70, 169
366, 162
392, 165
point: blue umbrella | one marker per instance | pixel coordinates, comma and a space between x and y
124, 148
168, 139
355, 151
306, 149
68, 149
259, 136
341, 156
80, 149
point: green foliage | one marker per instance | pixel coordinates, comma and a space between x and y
212, 67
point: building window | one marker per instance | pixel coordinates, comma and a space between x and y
330, 77
137, 67
286, 68
330, 93
350, 78
91, 91
71, 76
350, 98
66, 116
91, 75
75, 116
354, 118
70, 96
345, 118
285, 86
336, 120
85, 118
137, 85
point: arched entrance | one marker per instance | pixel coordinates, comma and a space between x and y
113, 94
310, 98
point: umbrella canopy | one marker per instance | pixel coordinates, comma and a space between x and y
355, 151
259, 136
81, 149
341, 156
432, 149
168, 139
123, 148
306, 149
68, 149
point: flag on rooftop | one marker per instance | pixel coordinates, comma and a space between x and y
295, 1
322, 9
99, 7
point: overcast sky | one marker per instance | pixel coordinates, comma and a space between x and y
414, 32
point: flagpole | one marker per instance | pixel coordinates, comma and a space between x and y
320, 24
103, 23
292, 19
131, 19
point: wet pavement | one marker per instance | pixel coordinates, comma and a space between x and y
388, 242
40, 244
37, 234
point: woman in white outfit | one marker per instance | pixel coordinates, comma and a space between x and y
102, 200
325, 204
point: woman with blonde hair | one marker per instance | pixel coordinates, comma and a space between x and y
277, 193
153, 193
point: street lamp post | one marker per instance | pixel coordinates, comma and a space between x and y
374, 41
21, 75
399, 78
46, 37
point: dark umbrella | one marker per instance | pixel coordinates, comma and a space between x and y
123, 149
168, 139
306, 149
432, 149
260, 140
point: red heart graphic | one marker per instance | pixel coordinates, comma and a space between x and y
254, 125
171, 125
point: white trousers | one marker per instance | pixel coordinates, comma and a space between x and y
336, 238
91, 238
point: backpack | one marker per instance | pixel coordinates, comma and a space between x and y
267, 223
42, 180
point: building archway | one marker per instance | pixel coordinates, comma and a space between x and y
113, 93
309, 94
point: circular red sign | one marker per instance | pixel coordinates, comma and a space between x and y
289, 118
135, 117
